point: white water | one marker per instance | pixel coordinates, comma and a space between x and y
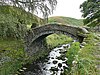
53, 55
53, 64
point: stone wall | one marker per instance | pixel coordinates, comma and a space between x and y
34, 39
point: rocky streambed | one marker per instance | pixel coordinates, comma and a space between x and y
56, 61
54, 64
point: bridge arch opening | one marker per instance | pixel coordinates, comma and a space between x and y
34, 39
58, 39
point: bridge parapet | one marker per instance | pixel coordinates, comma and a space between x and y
35, 35
55, 27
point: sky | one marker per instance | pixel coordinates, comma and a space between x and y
68, 8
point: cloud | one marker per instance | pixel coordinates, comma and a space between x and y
68, 8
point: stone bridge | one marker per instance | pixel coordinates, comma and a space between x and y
34, 39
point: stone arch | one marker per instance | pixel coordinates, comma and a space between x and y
34, 37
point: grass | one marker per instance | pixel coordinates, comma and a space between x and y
57, 39
10, 44
11, 55
85, 59
66, 20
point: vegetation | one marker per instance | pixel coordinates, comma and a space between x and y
57, 39
66, 20
11, 56
14, 21
82, 60
13, 25
72, 52
45, 6
91, 11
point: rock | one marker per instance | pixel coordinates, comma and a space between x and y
24, 68
62, 70
59, 64
65, 67
44, 68
64, 62
52, 57
62, 57
83, 43
54, 69
81, 46
60, 49
47, 58
21, 70
48, 62
62, 52
55, 62
66, 47
61, 74
29, 73
98, 35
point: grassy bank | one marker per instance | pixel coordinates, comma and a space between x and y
66, 20
84, 60
57, 39
13, 56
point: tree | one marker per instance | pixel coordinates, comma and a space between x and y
91, 12
14, 21
14, 18
45, 6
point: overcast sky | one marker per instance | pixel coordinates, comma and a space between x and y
68, 8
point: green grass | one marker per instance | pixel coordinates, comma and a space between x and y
10, 44
85, 60
57, 39
12, 56
66, 20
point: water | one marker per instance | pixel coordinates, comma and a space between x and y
53, 64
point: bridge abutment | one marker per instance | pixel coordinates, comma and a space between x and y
35, 38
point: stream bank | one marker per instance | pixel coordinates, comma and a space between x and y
54, 63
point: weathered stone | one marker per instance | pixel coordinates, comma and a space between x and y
55, 62
62, 57
52, 57
59, 64
48, 62
44, 68
34, 39
66, 46
62, 52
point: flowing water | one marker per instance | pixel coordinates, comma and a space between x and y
53, 64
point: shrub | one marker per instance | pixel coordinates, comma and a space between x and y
83, 59
72, 52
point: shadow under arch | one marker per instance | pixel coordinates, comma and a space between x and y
34, 39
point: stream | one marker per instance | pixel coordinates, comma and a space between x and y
54, 64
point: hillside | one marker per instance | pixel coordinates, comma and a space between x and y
66, 20
16, 15
14, 21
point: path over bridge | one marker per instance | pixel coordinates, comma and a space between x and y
34, 37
